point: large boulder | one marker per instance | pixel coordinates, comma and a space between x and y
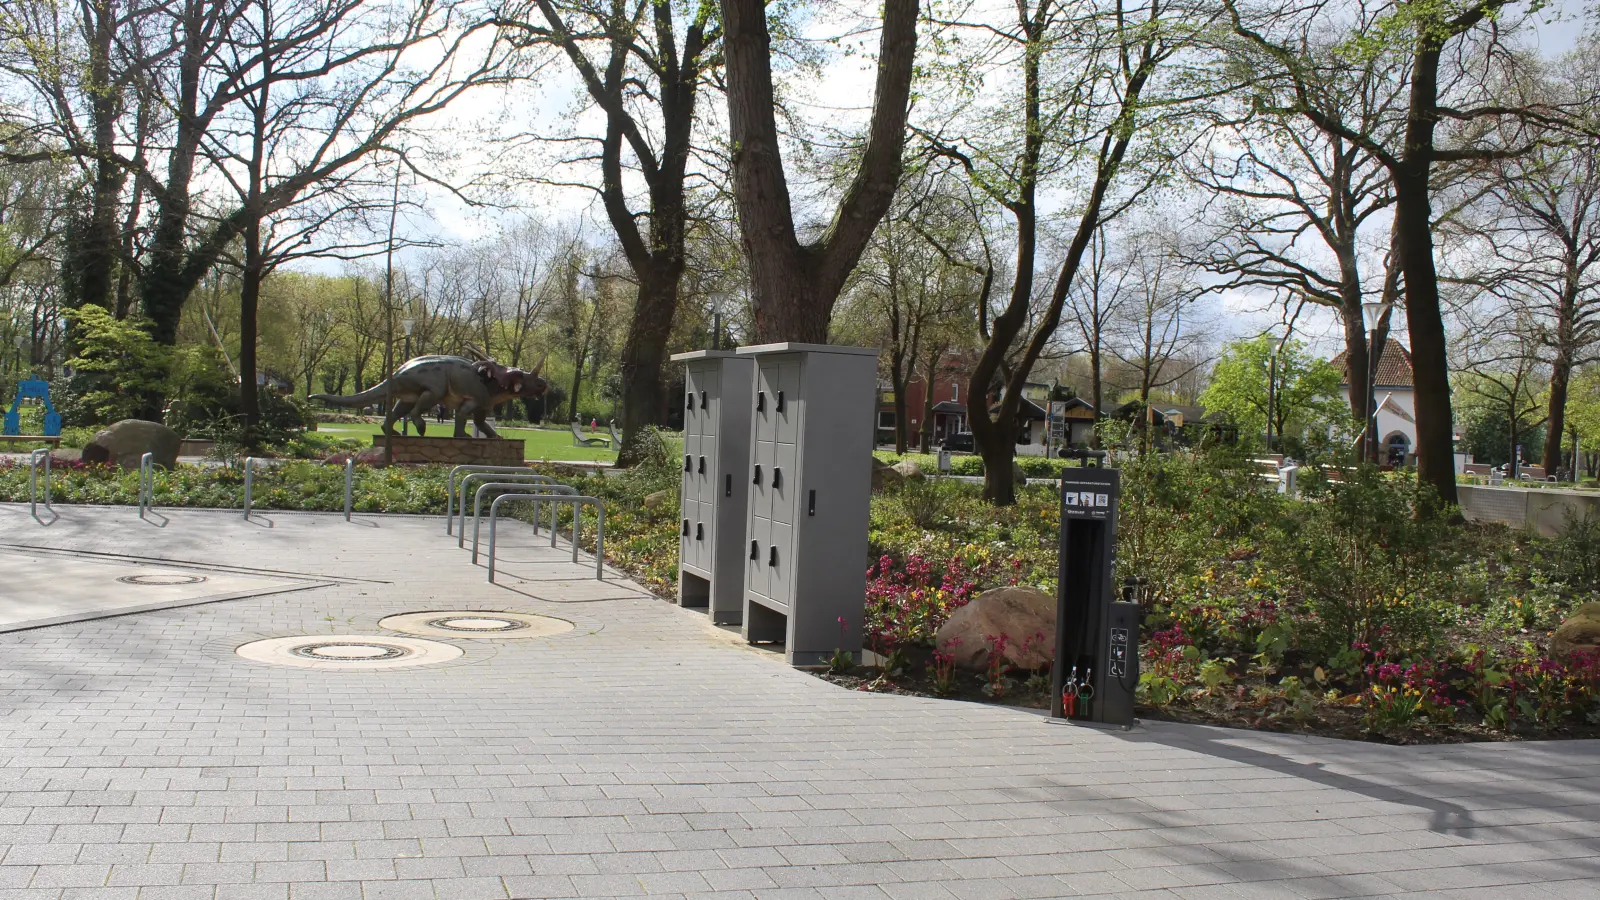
1580, 632
126, 442
909, 470
884, 475
657, 500
1027, 618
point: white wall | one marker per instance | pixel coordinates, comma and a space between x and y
1390, 421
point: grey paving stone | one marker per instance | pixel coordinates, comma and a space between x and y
647, 753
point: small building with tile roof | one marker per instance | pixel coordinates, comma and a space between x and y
1395, 392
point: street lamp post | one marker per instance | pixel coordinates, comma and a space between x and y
1372, 313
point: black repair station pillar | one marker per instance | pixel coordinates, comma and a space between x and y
1094, 635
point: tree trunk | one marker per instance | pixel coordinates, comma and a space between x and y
899, 379
577, 382
929, 380
1560, 376
1430, 368
794, 287
98, 252
1358, 364
643, 356
249, 302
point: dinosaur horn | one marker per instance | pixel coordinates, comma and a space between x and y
540, 367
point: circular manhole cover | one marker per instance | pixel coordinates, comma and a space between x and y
162, 579
350, 652
476, 623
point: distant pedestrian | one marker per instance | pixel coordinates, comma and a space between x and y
594, 424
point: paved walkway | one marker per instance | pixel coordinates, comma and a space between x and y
645, 752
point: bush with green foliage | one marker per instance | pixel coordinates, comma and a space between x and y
119, 371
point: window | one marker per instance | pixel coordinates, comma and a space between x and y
886, 419
955, 392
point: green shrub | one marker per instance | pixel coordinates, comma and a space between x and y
1366, 562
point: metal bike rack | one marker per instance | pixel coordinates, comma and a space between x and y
477, 507
578, 502
450, 496
349, 483
147, 483
34, 459
249, 482
522, 476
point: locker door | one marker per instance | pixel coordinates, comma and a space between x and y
785, 484
699, 537
691, 401
767, 380
691, 452
780, 563
758, 580
761, 481
787, 400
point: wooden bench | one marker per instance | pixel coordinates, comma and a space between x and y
52, 440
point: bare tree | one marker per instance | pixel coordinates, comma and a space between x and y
1294, 210
1084, 73
1456, 75
643, 69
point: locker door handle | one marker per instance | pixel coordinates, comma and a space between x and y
702, 465
777, 477
811, 504
761, 401
690, 404
699, 531
685, 527
727, 485
758, 475
772, 557
780, 401
688, 463
755, 550
703, 403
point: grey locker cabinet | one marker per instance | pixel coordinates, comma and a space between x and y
718, 386
810, 488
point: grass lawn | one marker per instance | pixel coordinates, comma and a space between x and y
539, 443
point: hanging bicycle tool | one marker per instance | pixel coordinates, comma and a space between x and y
1086, 618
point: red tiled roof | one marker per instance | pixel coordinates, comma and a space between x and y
1394, 368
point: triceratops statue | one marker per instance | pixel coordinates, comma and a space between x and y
470, 388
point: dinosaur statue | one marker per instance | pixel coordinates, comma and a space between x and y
470, 388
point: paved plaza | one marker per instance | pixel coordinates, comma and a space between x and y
641, 751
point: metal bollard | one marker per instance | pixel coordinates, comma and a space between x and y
349, 480
34, 459
147, 483
249, 481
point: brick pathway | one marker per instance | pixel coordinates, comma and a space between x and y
647, 753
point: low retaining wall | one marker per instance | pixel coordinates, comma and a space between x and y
452, 451
1540, 509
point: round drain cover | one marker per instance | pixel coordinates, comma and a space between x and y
476, 623
349, 652
162, 578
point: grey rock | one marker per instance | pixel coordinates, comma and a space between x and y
126, 442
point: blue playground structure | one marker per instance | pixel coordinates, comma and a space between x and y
39, 388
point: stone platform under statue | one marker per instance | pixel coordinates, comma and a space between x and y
451, 451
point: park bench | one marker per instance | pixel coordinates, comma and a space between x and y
616, 439
53, 440
578, 440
